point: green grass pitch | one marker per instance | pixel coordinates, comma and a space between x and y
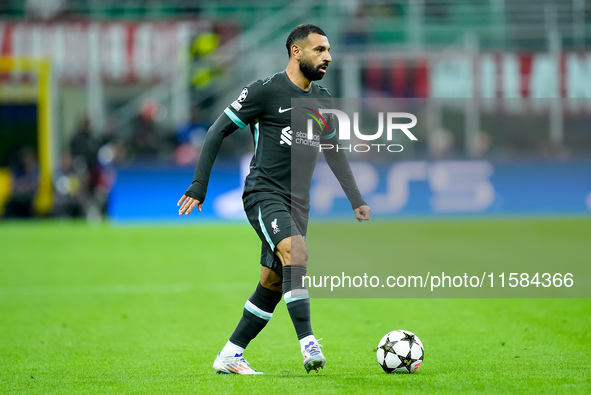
145, 309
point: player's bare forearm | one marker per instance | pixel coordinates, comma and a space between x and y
362, 213
187, 204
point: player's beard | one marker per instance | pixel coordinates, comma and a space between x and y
310, 72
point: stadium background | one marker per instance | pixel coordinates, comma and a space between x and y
134, 87
103, 109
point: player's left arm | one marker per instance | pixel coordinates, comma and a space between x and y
339, 165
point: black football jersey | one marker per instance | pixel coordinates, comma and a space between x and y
286, 146
287, 128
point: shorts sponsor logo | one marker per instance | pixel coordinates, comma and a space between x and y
274, 226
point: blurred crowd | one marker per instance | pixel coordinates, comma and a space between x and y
88, 162
86, 166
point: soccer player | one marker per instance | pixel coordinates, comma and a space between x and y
276, 194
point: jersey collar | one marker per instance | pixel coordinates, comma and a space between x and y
294, 86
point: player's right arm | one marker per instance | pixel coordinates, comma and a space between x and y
241, 112
195, 195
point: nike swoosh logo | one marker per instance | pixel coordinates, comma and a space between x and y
282, 110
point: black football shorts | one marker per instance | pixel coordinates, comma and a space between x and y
274, 220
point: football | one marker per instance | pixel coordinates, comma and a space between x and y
400, 351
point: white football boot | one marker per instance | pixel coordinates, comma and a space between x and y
233, 365
313, 357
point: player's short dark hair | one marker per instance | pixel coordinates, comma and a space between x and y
301, 32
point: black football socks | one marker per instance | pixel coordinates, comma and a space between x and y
258, 310
297, 299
